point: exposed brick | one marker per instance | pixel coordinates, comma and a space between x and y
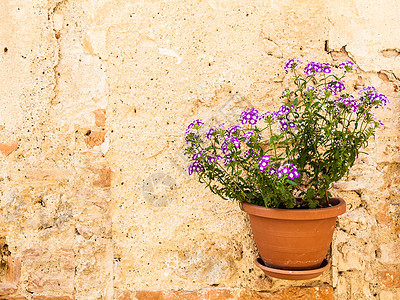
304, 293
13, 298
390, 253
104, 177
150, 295
307, 293
40, 282
122, 295
388, 219
206, 294
7, 148
252, 295
95, 138
7, 288
389, 295
100, 117
214, 294
389, 278
32, 253
13, 270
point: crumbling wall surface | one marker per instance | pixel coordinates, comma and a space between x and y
94, 98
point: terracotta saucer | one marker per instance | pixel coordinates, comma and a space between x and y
292, 275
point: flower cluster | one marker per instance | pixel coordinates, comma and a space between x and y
264, 163
231, 130
284, 118
347, 65
288, 170
251, 152
210, 132
248, 135
250, 116
292, 63
370, 97
350, 103
195, 167
195, 123
314, 68
334, 87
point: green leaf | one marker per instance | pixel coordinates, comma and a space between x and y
291, 182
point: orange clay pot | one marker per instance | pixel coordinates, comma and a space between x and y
294, 239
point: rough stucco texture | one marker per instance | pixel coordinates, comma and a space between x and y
94, 97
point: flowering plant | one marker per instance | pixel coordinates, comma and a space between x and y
288, 158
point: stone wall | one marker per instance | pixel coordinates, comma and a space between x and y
94, 98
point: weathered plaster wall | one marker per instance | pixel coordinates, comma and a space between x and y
94, 98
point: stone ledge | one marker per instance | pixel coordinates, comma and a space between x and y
13, 298
53, 298
322, 293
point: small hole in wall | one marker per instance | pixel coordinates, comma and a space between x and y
5, 49
326, 48
378, 253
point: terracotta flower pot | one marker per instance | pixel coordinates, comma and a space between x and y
294, 239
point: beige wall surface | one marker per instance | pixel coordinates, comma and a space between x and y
94, 98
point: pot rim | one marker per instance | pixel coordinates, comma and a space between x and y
338, 208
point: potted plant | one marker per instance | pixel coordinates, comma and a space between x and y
281, 164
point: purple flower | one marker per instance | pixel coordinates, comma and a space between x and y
211, 159
196, 156
288, 170
231, 130
249, 116
235, 142
248, 135
265, 115
250, 152
369, 96
210, 132
350, 103
284, 118
195, 123
314, 68
347, 65
284, 109
292, 64
195, 167
335, 87
264, 163
228, 159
